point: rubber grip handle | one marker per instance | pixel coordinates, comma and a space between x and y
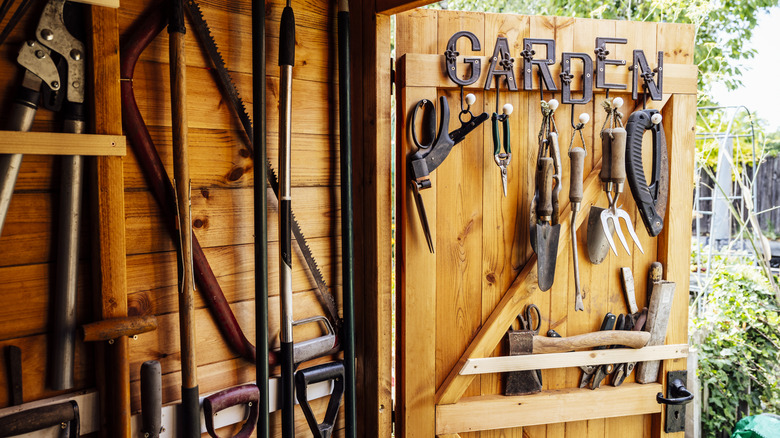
32, 420
287, 37
332, 371
505, 123
637, 124
544, 179
151, 398
606, 156
239, 395
618, 162
577, 157
496, 134
543, 344
320, 373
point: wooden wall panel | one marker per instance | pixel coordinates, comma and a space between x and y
502, 223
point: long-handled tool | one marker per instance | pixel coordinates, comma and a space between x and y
151, 399
64, 414
429, 155
60, 87
286, 62
577, 156
181, 177
545, 228
347, 231
247, 395
13, 365
261, 216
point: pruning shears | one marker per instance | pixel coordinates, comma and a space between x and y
502, 158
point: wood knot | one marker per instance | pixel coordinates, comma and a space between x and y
244, 153
204, 193
200, 223
235, 174
139, 304
491, 278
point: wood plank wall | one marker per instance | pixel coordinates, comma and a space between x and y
481, 238
221, 170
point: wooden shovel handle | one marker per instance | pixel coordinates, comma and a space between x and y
586, 341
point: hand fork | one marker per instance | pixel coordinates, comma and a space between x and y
613, 175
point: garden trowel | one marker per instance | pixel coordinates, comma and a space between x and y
545, 228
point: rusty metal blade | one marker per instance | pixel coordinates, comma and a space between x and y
597, 244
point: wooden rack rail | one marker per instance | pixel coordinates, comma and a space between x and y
57, 143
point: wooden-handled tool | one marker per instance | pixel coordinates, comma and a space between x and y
577, 156
181, 177
659, 310
542, 344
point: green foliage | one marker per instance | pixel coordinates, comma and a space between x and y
724, 27
772, 146
739, 347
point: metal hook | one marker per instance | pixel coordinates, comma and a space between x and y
572, 118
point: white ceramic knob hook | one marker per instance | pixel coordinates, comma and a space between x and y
470, 99
508, 108
656, 118
553, 104
584, 118
617, 102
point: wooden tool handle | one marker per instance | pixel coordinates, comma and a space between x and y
577, 156
655, 275
585, 341
618, 163
544, 180
606, 156
117, 327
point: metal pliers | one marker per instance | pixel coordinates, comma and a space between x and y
431, 154
502, 159
589, 370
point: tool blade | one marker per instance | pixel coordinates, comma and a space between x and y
611, 226
621, 237
503, 181
423, 217
547, 253
623, 215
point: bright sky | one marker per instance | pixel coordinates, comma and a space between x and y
761, 90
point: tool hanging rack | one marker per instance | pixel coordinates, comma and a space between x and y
461, 300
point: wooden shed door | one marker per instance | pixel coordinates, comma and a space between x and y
456, 305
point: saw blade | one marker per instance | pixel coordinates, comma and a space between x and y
228, 87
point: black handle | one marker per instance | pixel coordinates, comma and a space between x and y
151, 398
287, 37
40, 418
646, 195
678, 392
303, 378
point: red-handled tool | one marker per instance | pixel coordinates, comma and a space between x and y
248, 395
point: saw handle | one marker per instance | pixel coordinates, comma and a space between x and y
585, 341
650, 198
618, 161
577, 157
239, 395
544, 181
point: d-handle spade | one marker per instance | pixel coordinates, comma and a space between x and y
577, 156
248, 395
332, 371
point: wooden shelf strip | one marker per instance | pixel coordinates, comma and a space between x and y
57, 143
491, 412
429, 72
504, 364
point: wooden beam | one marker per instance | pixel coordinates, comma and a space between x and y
504, 364
58, 143
390, 7
491, 333
491, 412
428, 72
109, 233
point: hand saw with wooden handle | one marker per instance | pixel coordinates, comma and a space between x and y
228, 88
